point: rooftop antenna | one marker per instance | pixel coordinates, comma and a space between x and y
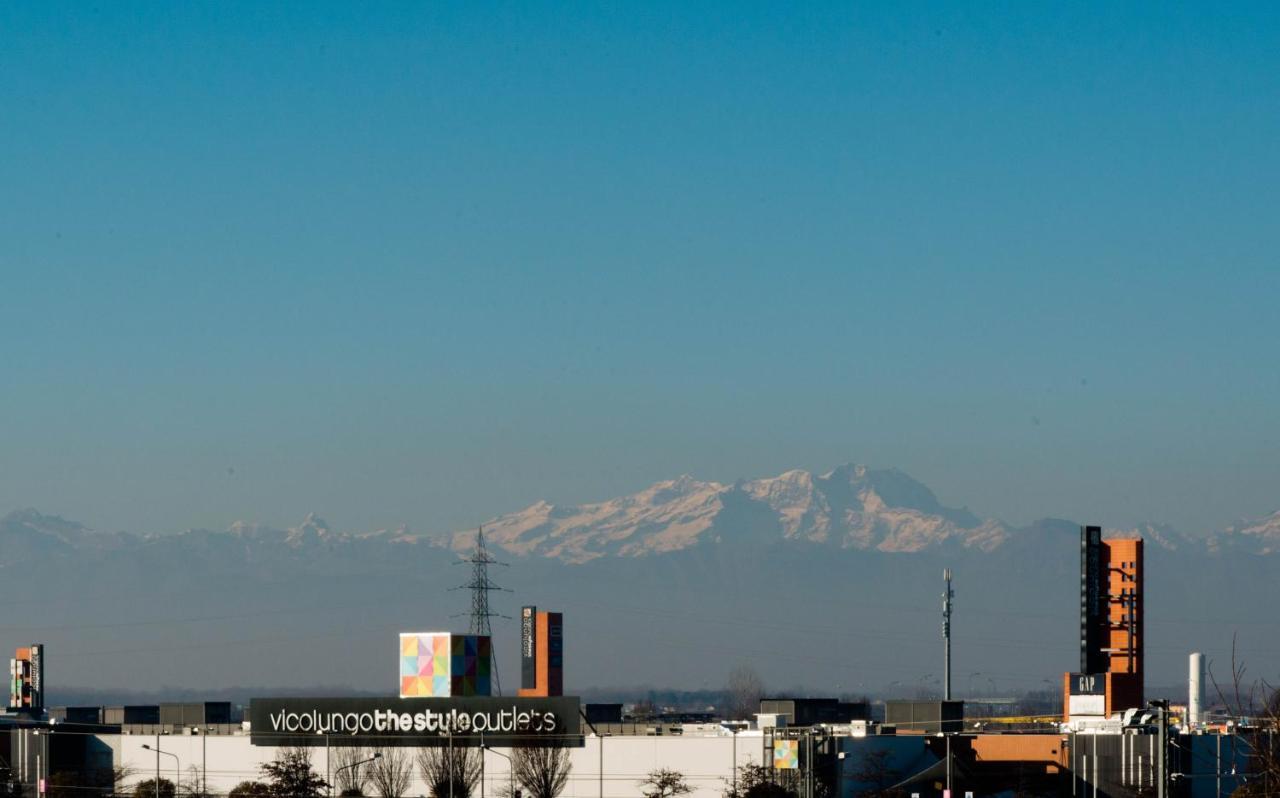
481, 586
946, 634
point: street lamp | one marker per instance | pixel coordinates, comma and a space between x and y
733, 728
177, 768
204, 760
42, 760
1162, 762
511, 768
328, 766
376, 755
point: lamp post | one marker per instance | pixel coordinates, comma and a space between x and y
1162, 756
839, 760
734, 763
204, 760
511, 770
42, 760
177, 768
947, 735
328, 768
376, 755
733, 728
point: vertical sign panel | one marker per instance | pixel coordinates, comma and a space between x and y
37, 676
555, 653
1093, 605
528, 648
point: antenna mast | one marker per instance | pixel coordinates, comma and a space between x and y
946, 635
481, 586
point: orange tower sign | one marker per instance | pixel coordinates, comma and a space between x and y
1111, 629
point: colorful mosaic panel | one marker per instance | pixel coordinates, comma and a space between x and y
424, 665
439, 665
786, 754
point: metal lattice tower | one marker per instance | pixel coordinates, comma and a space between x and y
946, 635
481, 586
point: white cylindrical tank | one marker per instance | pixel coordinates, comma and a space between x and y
1195, 692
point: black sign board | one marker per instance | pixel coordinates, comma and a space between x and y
37, 676
528, 647
1087, 684
470, 721
555, 640
1093, 603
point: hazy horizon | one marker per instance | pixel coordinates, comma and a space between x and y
288, 523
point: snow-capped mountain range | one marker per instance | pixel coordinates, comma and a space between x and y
851, 507
684, 565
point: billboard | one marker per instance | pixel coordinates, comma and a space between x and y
37, 675
786, 754
1086, 694
529, 648
441, 665
1093, 600
554, 656
473, 721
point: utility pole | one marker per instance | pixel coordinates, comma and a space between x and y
808, 762
1162, 756
946, 635
481, 586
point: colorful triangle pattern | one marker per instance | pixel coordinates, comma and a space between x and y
438, 665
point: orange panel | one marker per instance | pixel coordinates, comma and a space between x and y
1125, 586
1046, 748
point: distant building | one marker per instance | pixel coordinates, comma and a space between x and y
814, 711
924, 717
26, 679
1110, 679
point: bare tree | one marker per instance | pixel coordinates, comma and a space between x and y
391, 772
450, 772
1260, 703
349, 778
193, 785
757, 781
543, 771
664, 783
116, 776
876, 771
743, 693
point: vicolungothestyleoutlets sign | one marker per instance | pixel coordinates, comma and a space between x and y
468, 721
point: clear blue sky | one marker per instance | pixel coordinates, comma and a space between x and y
427, 263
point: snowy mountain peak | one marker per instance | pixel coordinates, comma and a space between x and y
1258, 536
851, 506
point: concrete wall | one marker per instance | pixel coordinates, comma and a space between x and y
706, 762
